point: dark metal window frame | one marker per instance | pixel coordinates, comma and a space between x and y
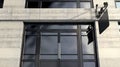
79, 47
77, 2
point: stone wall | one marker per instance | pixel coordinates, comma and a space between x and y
10, 43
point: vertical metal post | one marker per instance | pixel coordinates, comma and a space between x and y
79, 46
96, 56
78, 3
59, 50
59, 47
40, 4
37, 50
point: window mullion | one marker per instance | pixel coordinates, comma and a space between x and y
37, 50
79, 46
78, 3
59, 47
40, 4
59, 50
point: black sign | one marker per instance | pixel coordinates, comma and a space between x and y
103, 22
90, 34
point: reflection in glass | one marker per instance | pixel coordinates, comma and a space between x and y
50, 41
29, 57
48, 45
48, 63
87, 49
85, 4
118, 4
32, 26
58, 4
48, 56
28, 64
33, 4
30, 45
84, 27
70, 34
70, 63
70, 57
84, 33
34, 32
69, 44
49, 34
58, 27
89, 64
88, 57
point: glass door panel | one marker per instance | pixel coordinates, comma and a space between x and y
59, 47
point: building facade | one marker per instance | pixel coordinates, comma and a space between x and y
54, 33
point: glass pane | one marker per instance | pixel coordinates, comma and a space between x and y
31, 32
28, 64
88, 57
59, 27
48, 63
89, 64
68, 33
69, 57
69, 44
48, 45
49, 33
69, 63
33, 4
84, 27
48, 56
118, 4
29, 57
58, 4
30, 45
32, 26
85, 4
44, 26
84, 33
87, 49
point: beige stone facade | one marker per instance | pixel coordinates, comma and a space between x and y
13, 14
